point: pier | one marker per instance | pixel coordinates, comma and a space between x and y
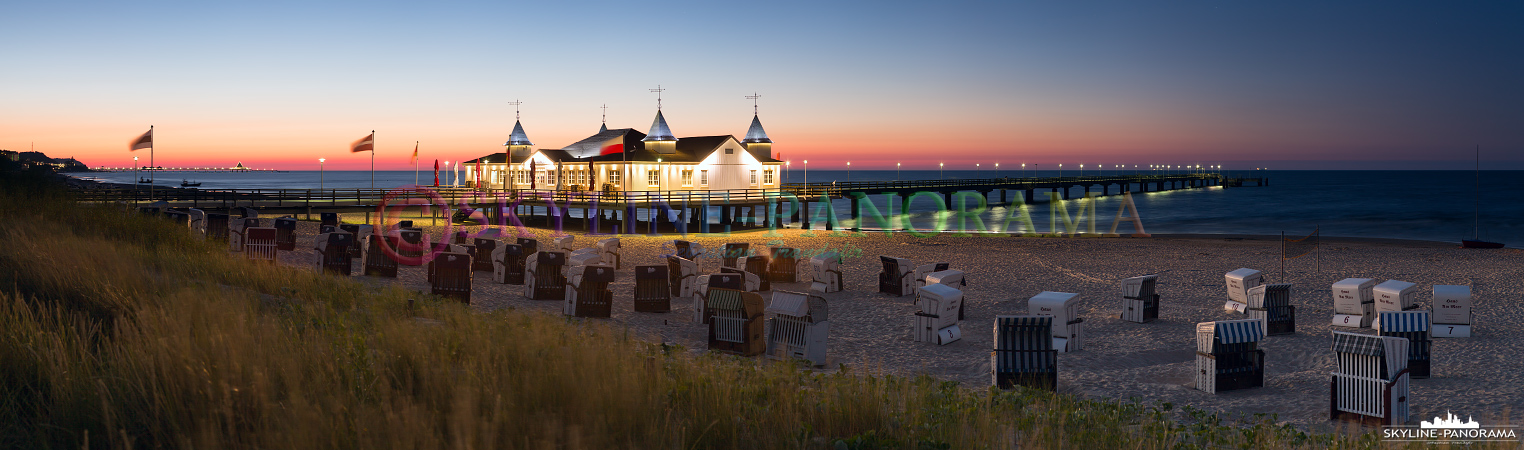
608, 211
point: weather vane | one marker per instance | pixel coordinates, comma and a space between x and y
658, 96
754, 96
605, 112
515, 104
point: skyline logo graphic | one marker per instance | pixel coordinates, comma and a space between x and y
1451, 421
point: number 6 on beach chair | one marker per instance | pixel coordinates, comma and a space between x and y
1024, 353
1370, 385
1354, 303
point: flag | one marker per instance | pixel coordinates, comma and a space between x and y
365, 144
142, 142
415, 153
436, 173
479, 173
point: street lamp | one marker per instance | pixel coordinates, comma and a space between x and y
320, 173
1060, 170
849, 171
997, 170
1023, 169
806, 174
940, 166
1082, 170
896, 171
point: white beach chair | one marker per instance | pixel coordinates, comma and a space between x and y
1354, 303
236, 232
333, 252
197, 222
565, 243
1239, 283
897, 278
1370, 383
1413, 326
682, 274
508, 264
1272, 303
702, 284
1068, 335
825, 271
937, 320
750, 282
609, 251
1393, 295
923, 270
587, 291
583, 257
260, 243
798, 328
1228, 355
1452, 311
543, 279
1024, 353
1140, 300
950, 278
685, 249
735, 322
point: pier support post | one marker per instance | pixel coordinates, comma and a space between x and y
804, 215
1028, 196
629, 219
947, 197
857, 225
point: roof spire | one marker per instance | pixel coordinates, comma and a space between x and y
658, 97
754, 96
605, 126
515, 104
755, 134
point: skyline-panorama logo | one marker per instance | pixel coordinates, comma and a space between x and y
1450, 430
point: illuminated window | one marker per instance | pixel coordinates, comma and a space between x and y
687, 178
767, 176
703, 177
753, 177
614, 177
653, 178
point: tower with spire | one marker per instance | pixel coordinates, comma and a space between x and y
756, 140
518, 143
660, 139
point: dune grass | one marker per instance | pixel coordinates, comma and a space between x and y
119, 331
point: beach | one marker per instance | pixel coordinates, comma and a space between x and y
1150, 362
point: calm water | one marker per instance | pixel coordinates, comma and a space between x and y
1427, 205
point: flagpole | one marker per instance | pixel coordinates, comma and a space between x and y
372, 160
151, 176
415, 163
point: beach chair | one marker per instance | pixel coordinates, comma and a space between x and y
1452, 311
783, 265
328, 218
733, 254
285, 233
1140, 299
735, 321
923, 270
610, 251
1239, 283
529, 245
543, 279
259, 243
1393, 295
1413, 326
1068, 335
1228, 355
950, 278
702, 284
1024, 353
587, 291
757, 265
236, 229
652, 292
750, 282
798, 328
177, 217
333, 252
897, 278
565, 243
508, 264
197, 222
217, 227
481, 254
245, 212
583, 257
825, 272
452, 276
1272, 303
360, 231
1370, 382
684, 249
937, 320
681, 273
1354, 303
376, 261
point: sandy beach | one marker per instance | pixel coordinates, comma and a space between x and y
1481, 376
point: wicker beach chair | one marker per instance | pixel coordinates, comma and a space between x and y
508, 264
451, 276
734, 319
750, 281
1413, 326
1228, 355
950, 278
937, 320
1140, 299
897, 278
1272, 303
652, 290
197, 222
1024, 353
681, 273
684, 249
1354, 302
798, 328
360, 231
923, 270
732, 255
1393, 295
411, 246
1239, 282
1370, 382
1452, 311
702, 284
217, 227
329, 219
825, 273
565, 243
259, 243
783, 265
587, 291
376, 261
333, 252
583, 257
543, 279
481, 254
610, 251
285, 233
236, 233
1068, 334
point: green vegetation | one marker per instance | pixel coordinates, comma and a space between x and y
119, 331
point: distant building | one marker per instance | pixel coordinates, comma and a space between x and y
624, 159
10, 155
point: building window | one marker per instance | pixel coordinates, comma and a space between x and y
614, 177
753, 177
703, 177
730, 151
767, 176
550, 177
687, 178
653, 178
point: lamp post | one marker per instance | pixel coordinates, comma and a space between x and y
1082, 170
997, 170
320, 173
849, 171
1023, 169
787, 167
134, 177
806, 175
940, 166
896, 171
1060, 170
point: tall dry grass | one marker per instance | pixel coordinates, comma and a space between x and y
118, 331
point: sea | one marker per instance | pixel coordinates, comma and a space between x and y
1421, 205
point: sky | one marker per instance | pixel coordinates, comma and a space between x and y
1285, 84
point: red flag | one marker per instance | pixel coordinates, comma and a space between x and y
479, 172
365, 144
415, 153
436, 173
142, 142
